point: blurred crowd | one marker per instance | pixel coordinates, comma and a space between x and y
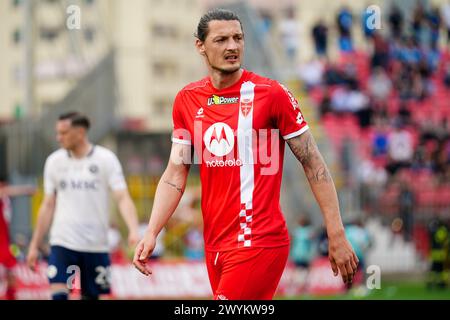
390, 102
385, 106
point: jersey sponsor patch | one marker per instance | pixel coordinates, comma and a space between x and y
218, 100
219, 139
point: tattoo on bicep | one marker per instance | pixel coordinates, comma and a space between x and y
303, 148
306, 151
180, 190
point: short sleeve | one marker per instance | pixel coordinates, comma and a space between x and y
180, 132
116, 179
286, 113
50, 183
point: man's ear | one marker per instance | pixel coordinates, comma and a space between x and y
200, 46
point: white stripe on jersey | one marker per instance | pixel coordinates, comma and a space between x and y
245, 150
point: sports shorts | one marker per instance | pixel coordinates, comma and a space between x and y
246, 273
93, 269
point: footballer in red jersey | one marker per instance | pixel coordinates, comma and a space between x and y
237, 123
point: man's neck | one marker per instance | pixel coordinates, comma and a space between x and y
222, 80
81, 150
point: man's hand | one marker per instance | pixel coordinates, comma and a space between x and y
142, 252
32, 257
133, 238
342, 258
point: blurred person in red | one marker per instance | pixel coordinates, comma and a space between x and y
6, 257
232, 119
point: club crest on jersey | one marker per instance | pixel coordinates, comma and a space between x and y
62, 184
246, 106
93, 168
219, 139
217, 100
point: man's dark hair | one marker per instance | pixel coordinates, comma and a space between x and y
215, 14
77, 119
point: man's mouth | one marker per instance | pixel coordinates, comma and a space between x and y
231, 57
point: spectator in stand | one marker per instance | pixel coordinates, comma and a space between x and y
441, 158
350, 75
339, 100
344, 21
404, 114
408, 52
434, 22
332, 75
320, 37
447, 75
379, 86
325, 104
380, 57
396, 22
289, 29
373, 177
418, 23
406, 82
419, 86
380, 140
312, 73
400, 148
358, 103
266, 22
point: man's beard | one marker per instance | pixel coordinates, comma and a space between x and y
227, 71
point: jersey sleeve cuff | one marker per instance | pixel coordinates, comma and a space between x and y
180, 141
296, 133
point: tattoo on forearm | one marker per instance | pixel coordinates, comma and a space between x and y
319, 175
180, 190
305, 150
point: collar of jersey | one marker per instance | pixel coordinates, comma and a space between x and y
89, 154
233, 86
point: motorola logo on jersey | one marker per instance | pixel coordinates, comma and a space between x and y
219, 139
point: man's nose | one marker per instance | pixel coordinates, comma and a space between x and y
232, 44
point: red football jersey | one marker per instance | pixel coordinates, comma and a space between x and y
237, 134
6, 257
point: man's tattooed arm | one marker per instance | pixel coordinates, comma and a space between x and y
305, 150
180, 190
